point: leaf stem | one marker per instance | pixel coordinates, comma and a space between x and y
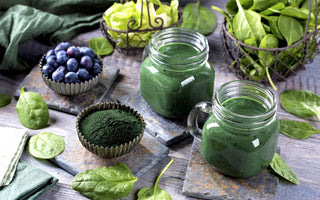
158, 178
270, 80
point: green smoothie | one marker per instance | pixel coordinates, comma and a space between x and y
237, 151
171, 89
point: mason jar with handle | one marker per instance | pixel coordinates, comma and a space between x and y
175, 74
240, 136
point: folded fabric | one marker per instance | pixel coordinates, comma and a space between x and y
29, 183
12, 143
52, 21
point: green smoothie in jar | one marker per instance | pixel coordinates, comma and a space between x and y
176, 74
240, 136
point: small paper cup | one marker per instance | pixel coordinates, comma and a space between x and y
113, 151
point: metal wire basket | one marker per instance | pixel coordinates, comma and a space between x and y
135, 32
245, 60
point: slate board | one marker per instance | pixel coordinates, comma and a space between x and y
73, 105
167, 131
203, 181
76, 158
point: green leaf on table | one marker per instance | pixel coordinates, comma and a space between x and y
101, 46
280, 167
32, 110
290, 29
105, 183
302, 103
4, 100
155, 192
297, 130
247, 24
46, 145
199, 18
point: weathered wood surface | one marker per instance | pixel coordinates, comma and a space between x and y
301, 155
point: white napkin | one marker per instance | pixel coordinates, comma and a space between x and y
12, 141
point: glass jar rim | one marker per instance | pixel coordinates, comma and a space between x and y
180, 35
259, 119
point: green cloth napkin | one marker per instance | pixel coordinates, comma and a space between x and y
12, 143
48, 20
29, 183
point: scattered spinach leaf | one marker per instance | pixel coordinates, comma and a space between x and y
302, 103
290, 29
247, 24
155, 192
4, 100
107, 183
199, 18
297, 130
32, 110
46, 145
280, 167
101, 46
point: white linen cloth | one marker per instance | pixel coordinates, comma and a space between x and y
12, 142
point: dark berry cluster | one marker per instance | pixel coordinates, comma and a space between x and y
71, 64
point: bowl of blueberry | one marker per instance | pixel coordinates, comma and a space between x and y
70, 70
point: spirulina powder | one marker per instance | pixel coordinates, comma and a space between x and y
109, 128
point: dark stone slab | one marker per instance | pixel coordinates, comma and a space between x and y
167, 131
75, 158
34, 82
203, 181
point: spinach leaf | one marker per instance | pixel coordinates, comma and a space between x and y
296, 3
155, 192
247, 24
4, 100
273, 24
101, 46
232, 8
290, 29
199, 18
32, 110
297, 130
280, 167
273, 9
302, 103
260, 5
114, 182
46, 145
297, 13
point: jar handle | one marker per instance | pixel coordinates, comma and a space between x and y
193, 126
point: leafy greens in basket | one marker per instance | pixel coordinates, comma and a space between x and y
118, 16
250, 21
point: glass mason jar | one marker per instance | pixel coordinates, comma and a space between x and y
175, 73
240, 136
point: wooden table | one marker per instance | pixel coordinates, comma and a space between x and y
301, 155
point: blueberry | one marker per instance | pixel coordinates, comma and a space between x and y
86, 62
62, 57
73, 52
63, 69
83, 74
62, 46
72, 65
70, 77
51, 59
47, 69
96, 69
50, 53
86, 51
57, 75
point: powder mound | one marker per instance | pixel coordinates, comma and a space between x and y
109, 128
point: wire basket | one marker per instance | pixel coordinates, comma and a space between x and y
251, 63
135, 33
